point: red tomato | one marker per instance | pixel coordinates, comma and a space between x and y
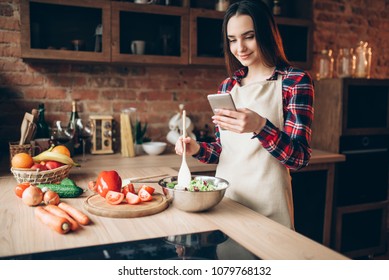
132, 198
128, 188
113, 197
144, 195
149, 189
108, 181
51, 164
19, 189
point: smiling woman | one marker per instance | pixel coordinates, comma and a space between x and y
269, 133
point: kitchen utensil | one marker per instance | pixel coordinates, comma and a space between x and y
194, 201
184, 175
137, 179
102, 138
30, 132
28, 118
35, 113
97, 205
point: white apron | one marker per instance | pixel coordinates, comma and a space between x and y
257, 179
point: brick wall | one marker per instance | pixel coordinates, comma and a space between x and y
156, 91
343, 23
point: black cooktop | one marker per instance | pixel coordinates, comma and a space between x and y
211, 245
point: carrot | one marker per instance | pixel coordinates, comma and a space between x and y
54, 209
74, 213
56, 223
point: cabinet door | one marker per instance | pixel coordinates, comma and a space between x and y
206, 39
65, 30
297, 40
163, 30
310, 197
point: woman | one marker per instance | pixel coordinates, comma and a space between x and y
271, 130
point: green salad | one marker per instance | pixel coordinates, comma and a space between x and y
196, 185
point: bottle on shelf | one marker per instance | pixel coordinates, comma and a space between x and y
326, 65
345, 63
277, 8
363, 60
73, 124
222, 5
42, 130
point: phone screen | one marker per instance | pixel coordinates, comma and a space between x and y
221, 101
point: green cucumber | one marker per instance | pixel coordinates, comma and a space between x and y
66, 189
68, 182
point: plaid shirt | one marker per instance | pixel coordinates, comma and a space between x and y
291, 145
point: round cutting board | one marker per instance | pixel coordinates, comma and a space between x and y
97, 205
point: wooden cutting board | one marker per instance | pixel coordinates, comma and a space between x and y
97, 205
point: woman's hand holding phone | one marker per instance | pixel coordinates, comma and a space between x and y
227, 116
242, 120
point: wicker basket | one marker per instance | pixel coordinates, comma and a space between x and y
41, 177
15, 148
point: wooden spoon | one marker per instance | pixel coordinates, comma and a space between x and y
184, 175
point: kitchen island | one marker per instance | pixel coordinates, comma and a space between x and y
22, 233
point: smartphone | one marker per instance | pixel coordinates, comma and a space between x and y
221, 101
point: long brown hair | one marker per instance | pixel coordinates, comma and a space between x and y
266, 34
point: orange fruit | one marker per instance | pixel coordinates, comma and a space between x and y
22, 160
61, 149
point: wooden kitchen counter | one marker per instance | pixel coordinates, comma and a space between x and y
174, 161
22, 233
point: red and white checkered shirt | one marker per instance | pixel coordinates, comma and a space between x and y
291, 146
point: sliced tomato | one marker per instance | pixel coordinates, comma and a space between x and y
149, 189
19, 189
144, 195
113, 197
92, 186
128, 188
132, 198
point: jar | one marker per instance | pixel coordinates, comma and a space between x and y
326, 65
362, 60
345, 63
222, 5
276, 8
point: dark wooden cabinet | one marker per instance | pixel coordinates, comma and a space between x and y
174, 35
49, 30
164, 29
206, 41
352, 118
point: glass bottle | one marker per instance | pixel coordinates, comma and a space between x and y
73, 124
42, 130
222, 5
276, 8
344, 63
362, 60
326, 65
369, 55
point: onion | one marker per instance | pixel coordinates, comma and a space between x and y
51, 198
32, 196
